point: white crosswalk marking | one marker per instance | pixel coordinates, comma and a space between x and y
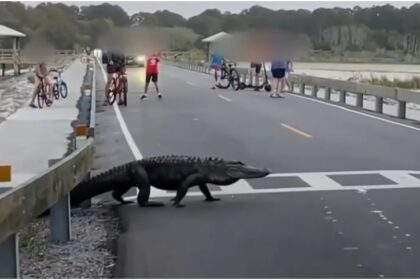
317, 181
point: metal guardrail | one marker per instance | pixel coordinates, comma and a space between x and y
402, 96
48, 190
21, 204
92, 121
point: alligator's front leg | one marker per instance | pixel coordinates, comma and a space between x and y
142, 181
183, 189
205, 190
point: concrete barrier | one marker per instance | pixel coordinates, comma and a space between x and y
402, 96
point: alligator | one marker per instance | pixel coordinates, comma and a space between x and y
171, 173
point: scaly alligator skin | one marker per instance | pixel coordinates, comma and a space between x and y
172, 173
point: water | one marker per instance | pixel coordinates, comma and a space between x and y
344, 71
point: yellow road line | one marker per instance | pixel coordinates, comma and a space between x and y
225, 98
297, 131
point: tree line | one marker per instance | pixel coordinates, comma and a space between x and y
338, 29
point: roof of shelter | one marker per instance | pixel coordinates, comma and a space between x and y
9, 32
215, 37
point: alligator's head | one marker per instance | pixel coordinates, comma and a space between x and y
228, 172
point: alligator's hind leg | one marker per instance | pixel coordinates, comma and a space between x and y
117, 194
143, 184
205, 190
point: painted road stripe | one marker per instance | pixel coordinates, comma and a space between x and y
355, 112
128, 137
227, 191
318, 181
297, 131
225, 98
136, 151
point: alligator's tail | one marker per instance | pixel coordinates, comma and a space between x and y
101, 183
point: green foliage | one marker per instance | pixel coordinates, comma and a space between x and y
337, 29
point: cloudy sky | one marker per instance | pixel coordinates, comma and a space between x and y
188, 9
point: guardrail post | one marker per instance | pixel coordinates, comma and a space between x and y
401, 109
3, 69
80, 137
302, 88
60, 216
314, 90
342, 96
328, 93
379, 102
359, 99
9, 254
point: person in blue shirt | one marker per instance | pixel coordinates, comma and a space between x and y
216, 61
278, 70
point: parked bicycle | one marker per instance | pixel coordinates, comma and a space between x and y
42, 95
118, 86
229, 76
60, 86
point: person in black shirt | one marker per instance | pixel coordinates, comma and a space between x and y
115, 64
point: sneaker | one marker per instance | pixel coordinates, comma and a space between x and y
33, 105
144, 96
213, 87
120, 103
159, 96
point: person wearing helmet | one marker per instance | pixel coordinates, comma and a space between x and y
115, 64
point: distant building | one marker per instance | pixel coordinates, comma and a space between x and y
211, 40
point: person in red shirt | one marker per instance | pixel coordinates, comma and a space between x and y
152, 74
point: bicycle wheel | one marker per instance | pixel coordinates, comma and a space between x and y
56, 93
48, 102
63, 90
111, 96
41, 100
234, 79
125, 96
224, 79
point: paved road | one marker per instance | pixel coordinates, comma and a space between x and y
277, 227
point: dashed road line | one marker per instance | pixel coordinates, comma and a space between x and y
297, 131
225, 98
355, 112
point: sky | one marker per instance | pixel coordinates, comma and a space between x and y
188, 9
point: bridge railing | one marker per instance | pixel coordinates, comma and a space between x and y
301, 83
49, 190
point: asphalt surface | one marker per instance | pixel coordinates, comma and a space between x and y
274, 234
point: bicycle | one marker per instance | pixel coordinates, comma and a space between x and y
229, 74
118, 85
59, 87
42, 95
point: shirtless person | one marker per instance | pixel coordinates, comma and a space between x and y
42, 75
